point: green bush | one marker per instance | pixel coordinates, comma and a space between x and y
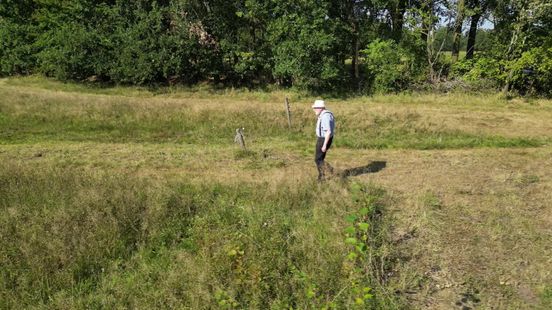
139, 47
305, 47
16, 49
478, 68
388, 66
151, 44
68, 52
532, 72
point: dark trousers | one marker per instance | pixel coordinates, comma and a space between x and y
320, 156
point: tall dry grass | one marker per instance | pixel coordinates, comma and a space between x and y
79, 239
31, 115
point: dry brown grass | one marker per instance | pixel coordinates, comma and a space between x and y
472, 221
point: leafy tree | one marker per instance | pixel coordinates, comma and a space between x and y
476, 9
424, 20
305, 45
389, 66
17, 33
315, 44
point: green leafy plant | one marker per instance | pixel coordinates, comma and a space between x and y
387, 65
482, 67
357, 240
532, 72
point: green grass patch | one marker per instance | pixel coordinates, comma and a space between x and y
546, 297
79, 239
24, 120
37, 81
398, 138
122, 123
199, 91
409, 131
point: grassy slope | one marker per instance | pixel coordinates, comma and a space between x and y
156, 207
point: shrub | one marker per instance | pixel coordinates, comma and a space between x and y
482, 67
532, 72
388, 65
306, 49
68, 52
16, 50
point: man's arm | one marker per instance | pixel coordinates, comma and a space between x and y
327, 136
326, 122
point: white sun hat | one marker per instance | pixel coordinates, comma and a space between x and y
319, 104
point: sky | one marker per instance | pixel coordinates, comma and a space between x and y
487, 25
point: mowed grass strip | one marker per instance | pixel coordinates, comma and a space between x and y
475, 224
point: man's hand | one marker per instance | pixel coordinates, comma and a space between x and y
323, 148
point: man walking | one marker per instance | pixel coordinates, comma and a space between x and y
324, 137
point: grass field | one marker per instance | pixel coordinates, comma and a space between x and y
138, 198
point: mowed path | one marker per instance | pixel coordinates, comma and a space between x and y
475, 225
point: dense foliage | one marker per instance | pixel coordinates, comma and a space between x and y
360, 45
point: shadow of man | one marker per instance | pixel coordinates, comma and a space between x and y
372, 167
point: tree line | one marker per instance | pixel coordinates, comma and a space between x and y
363, 46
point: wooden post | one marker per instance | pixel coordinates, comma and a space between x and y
288, 112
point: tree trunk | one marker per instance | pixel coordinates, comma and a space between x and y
427, 35
355, 44
470, 49
430, 49
355, 71
397, 19
472, 34
427, 13
457, 35
511, 47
